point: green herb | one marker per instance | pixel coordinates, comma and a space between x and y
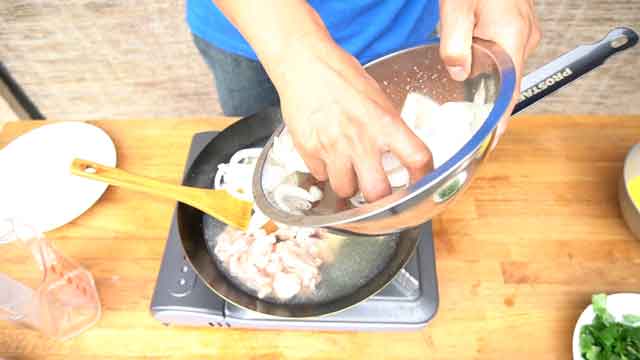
607, 339
631, 319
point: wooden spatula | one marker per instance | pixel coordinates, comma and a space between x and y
217, 203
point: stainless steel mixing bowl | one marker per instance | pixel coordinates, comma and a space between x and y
421, 70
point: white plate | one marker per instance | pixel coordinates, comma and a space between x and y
617, 305
36, 185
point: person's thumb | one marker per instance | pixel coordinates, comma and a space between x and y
456, 33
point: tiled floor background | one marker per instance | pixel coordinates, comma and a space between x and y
80, 59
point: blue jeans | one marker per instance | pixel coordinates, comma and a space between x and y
243, 85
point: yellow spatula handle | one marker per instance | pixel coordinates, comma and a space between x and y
117, 177
217, 203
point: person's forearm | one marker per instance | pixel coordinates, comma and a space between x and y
277, 29
340, 120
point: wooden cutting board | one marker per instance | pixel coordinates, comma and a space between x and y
518, 256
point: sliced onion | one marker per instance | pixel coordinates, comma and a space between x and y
284, 153
235, 179
292, 199
316, 193
258, 220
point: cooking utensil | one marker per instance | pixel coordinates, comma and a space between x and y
421, 70
218, 203
198, 232
629, 191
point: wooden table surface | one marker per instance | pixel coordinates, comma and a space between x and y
518, 257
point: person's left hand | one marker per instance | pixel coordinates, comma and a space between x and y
512, 24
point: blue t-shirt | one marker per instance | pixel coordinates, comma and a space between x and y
367, 29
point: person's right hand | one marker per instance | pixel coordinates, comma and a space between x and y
341, 122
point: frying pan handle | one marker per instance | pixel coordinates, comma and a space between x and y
572, 65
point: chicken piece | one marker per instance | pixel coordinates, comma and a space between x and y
309, 243
299, 262
223, 247
282, 264
310, 279
238, 264
261, 250
310, 284
295, 258
285, 233
229, 244
274, 266
257, 280
286, 285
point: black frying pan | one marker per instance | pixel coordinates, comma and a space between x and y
198, 231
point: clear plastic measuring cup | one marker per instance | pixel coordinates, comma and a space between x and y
42, 289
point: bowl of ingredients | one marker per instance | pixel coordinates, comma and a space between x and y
609, 328
629, 190
456, 120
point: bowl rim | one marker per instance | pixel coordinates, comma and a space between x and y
392, 203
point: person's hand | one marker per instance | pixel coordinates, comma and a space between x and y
341, 122
512, 24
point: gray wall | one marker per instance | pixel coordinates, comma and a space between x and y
82, 59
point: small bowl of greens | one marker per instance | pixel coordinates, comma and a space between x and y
609, 328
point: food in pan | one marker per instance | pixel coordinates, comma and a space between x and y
288, 262
281, 264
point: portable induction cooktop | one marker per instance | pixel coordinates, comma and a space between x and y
181, 298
